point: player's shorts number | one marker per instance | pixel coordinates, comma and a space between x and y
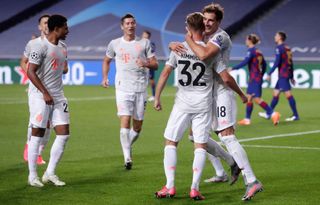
221, 111
65, 107
185, 71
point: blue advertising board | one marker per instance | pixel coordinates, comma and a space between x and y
87, 73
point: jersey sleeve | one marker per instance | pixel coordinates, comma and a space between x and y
150, 51
217, 40
37, 52
225, 52
244, 62
221, 66
172, 61
26, 51
110, 53
277, 61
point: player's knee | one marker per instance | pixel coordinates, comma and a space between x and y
288, 94
226, 132
200, 145
38, 132
257, 100
169, 142
62, 129
137, 128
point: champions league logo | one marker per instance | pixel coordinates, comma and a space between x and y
219, 38
34, 56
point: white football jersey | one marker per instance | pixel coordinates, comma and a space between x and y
195, 81
130, 77
221, 39
26, 52
51, 59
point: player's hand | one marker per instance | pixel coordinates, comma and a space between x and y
142, 63
105, 83
48, 99
229, 69
177, 47
157, 105
244, 99
293, 81
268, 78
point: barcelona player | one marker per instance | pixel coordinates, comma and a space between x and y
257, 67
285, 69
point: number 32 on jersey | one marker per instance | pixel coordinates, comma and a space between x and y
195, 66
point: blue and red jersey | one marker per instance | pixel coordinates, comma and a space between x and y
283, 62
256, 65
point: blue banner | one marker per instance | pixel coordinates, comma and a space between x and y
87, 73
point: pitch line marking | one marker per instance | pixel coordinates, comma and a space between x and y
280, 136
283, 147
15, 101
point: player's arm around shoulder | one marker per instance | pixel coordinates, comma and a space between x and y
177, 47
203, 52
105, 71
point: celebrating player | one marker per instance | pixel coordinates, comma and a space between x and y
134, 57
46, 98
224, 106
43, 28
192, 107
257, 67
285, 69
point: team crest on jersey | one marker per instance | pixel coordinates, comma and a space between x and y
34, 55
219, 38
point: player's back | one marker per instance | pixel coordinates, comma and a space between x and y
194, 79
257, 65
286, 64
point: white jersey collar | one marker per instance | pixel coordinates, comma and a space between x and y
125, 41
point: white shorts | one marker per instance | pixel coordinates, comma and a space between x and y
131, 104
224, 111
40, 112
179, 121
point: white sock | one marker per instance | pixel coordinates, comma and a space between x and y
239, 155
56, 153
216, 163
44, 140
33, 147
244, 178
198, 165
170, 163
215, 149
133, 136
29, 133
125, 144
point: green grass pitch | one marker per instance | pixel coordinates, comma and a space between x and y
92, 165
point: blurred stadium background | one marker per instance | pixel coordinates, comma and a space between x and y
94, 23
